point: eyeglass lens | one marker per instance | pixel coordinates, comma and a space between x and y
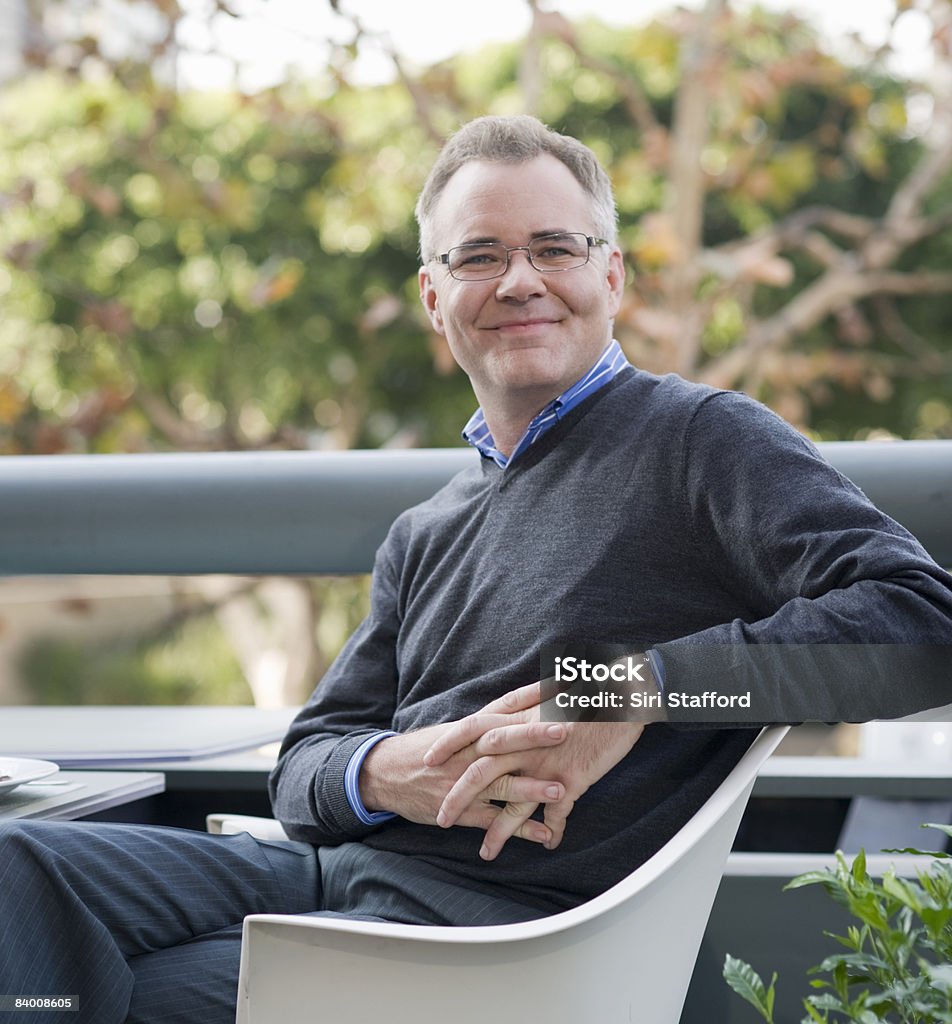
548, 254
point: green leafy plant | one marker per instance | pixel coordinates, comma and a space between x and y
897, 960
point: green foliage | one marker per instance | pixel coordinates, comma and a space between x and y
184, 270
748, 984
190, 656
191, 665
212, 270
209, 270
898, 961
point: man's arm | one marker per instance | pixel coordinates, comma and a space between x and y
844, 601
353, 704
849, 617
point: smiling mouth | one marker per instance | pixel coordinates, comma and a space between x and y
520, 326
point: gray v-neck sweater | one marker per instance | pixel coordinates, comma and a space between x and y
656, 513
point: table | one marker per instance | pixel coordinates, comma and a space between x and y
854, 776
781, 776
69, 795
219, 758
92, 736
207, 754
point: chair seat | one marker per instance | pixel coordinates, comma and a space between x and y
225, 824
625, 956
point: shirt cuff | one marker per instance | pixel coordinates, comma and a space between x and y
351, 787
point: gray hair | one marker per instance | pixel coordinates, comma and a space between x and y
514, 140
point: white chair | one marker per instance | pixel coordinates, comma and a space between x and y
625, 956
231, 824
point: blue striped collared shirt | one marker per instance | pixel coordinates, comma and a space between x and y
476, 432
352, 784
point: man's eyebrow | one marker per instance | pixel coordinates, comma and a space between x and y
535, 234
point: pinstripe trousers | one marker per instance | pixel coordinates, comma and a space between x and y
143, 923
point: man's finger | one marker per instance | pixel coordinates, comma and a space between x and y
479, 776
502, 711
522, 789
520, 699
479, 815
515, 819
461, 734
555, 817
482, 816
507, 739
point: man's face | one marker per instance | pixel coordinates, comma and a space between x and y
525, 337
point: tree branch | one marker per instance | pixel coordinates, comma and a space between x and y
180, 432
684, 202
817, 245
898, 228
895, 282
530, 76
418, 94
792, 229
912, 343
634, 97
831, 292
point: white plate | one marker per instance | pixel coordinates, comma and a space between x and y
22, 769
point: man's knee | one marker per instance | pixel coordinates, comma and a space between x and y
19, 834
16, 837
29, 876
36, 851
27, 846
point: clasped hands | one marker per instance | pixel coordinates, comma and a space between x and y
450, 774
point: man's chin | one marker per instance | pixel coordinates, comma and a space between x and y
538, 387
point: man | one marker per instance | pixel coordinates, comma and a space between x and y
609, 506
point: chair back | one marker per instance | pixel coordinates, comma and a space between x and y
625, 956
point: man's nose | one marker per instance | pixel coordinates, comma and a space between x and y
521, 279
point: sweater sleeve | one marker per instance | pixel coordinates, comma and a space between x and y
354, 701
852, 619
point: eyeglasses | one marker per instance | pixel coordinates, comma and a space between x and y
549, 254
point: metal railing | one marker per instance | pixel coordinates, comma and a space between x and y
314, 513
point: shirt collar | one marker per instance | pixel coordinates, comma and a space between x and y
476, 432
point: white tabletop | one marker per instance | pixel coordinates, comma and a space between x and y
68, 795
854, 776
92, 735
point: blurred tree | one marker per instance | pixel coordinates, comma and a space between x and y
187, 270
215, 270
203, 271
147, 670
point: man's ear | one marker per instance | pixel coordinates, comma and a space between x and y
430, 301
615, 280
